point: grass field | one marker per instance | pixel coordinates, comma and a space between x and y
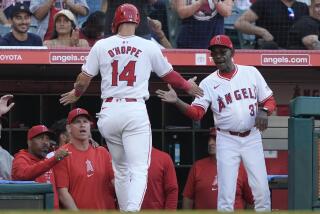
144, 212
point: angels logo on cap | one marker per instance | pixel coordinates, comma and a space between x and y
77, 112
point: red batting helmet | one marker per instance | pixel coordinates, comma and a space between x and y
125, 13
221, 40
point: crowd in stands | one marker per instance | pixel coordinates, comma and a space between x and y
266, 24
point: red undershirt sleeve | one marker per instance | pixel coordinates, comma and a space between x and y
270, 104
195, 112
176, 80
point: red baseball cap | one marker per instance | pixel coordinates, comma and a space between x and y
221, 40
37, 130
78, 112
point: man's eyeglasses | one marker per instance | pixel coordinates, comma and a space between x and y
290, 13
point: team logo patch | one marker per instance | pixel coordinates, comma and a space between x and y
90, 169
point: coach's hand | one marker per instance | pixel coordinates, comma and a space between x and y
195, 90
69, 97
167, 96
262, 120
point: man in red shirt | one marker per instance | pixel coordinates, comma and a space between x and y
32, 164
162, 188
84, 179
201, 189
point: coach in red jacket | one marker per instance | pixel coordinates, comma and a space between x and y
31, 164
201, 189
162, 189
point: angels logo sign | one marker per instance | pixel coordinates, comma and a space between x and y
206, 12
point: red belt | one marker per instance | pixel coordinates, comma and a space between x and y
110, 99
239, 134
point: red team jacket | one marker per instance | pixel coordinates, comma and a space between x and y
162, 189
88, 176
26, 166
202, 186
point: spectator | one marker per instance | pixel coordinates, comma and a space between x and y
32, 164
93, 28
5, 157
271, 24
65, 33
20, 18
94, 6
84, 179
304, 34
201, 189
143, 29
162, 188
158, 11
45, 10
201, 20
157, 33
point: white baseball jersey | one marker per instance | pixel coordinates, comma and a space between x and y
234, 102
125, 64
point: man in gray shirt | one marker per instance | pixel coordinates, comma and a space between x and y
5, 157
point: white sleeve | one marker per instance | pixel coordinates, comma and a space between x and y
205, 101
160, 64
263, 90
91, 64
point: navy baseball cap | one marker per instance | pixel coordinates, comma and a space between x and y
19, 7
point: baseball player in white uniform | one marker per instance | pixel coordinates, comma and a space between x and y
240, 100
125, 62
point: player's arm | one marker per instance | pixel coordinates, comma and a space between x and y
311, 42
224, 8
80, 86
245, 24
66, 199
193, 112
265, 108
177, 81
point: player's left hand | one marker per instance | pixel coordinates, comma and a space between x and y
262, 120
195, 90
167, 96
68, 98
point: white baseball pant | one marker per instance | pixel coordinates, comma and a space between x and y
126, 129
230, 151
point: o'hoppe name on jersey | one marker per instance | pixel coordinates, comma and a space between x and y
240, 94
124, 50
